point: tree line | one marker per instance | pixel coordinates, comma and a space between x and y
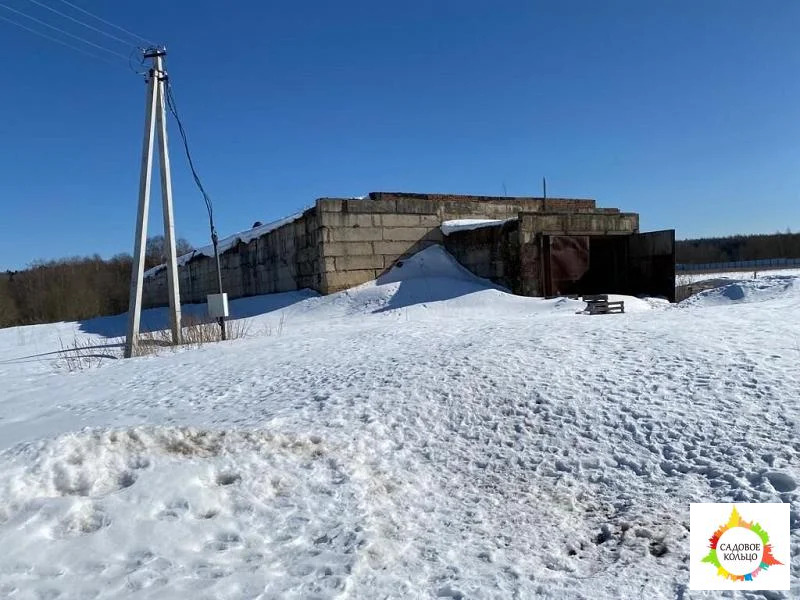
72, 289
738, 247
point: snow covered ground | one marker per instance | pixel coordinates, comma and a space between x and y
423, 436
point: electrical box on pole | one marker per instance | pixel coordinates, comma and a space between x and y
155, 121
218, 306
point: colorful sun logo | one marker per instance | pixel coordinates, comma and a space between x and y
740, 550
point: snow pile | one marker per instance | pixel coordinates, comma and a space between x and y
433, 263
454, 225
773, 287
229, 242
431, 284
434, 275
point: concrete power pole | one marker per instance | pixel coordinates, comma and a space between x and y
155, 117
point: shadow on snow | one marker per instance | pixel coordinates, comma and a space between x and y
155, 319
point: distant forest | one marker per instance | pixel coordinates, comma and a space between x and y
72, 289
738, 247
79, 288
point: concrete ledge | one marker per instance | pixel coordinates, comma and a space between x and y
416, 206
469, 197
369, 206
329, 205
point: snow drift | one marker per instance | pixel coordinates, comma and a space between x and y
744, 291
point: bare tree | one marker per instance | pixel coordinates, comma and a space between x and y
154, 253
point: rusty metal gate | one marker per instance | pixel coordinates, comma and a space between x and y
566, 261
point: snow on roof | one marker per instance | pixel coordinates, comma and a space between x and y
449, 227
229, 242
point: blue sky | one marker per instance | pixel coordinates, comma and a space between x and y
686, 112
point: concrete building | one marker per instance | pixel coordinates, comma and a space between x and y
535, 247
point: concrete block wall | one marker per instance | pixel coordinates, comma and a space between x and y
578, 223
490, 252
282, 260
344, 242
363, 238
285, 259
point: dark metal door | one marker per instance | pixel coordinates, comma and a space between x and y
566, 262
651, 268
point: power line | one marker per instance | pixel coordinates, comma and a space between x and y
141, 62
214, 238
67, 33
110, 24
81, 23
174, 110
57, 41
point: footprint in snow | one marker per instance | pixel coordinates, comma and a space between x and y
781, 481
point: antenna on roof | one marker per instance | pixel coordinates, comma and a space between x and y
544, 193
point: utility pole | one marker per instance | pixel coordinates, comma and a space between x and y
155, 117
224, 312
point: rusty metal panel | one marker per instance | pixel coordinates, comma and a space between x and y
567, 261
651, 267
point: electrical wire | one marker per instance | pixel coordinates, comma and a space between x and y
109, 23
174, 110
57, 41
81, 23
209, 207
141, 61
54, 28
